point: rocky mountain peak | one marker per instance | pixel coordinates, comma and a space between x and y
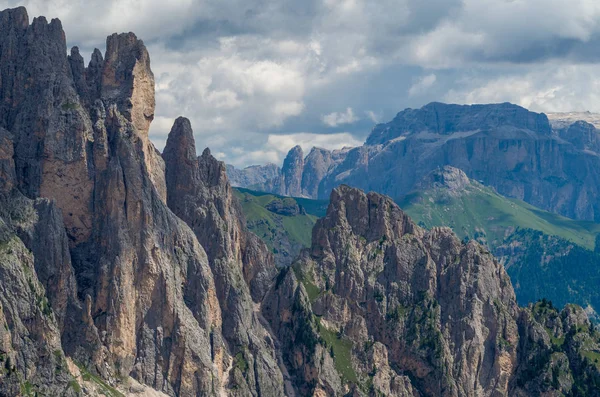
253, 176
181, 142
292, 169
563, 120
199, 185
14, 18
316, 165
294, 158
402, 296
213, 171
108, 272
583, 135
369, 215
447, 177
128, 80
445, 119
299, 177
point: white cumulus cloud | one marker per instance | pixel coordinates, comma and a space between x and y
338, 118
422, 84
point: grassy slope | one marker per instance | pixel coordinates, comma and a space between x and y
298, 228
482, 209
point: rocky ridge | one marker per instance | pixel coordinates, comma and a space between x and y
254, 175
517, 152
299, 177
565, 119
406, 312
120, 284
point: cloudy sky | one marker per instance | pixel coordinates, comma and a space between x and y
257, 77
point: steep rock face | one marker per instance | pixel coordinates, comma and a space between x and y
42, 110
439, 118
153, 295
299, 177
128, 288
200, 194
287, 308
388, 290
584, 136
406, 312
556, 352
31, 355
520, 159
8, 177
30, 349
316, 165
396, 284
291, 172
128, 81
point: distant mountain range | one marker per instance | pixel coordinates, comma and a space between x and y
517, 152
564, 119
447, 197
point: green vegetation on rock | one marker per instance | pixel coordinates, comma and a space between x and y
104, 387
342, 352
283, 223
478, 212
571, 362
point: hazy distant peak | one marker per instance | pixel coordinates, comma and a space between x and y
446, 119
447, 177
564, 119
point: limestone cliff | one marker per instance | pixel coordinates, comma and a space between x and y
200, 194
504, 146
408, 312
252, 176
124, 283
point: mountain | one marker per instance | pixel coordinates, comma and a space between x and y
125, 271
545, 255
283, 223
447, 197
254, 175
513, 150
379, 306
439, 119
118, 267
299, 177
565, 119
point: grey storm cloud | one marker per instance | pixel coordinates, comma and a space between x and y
258, 76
